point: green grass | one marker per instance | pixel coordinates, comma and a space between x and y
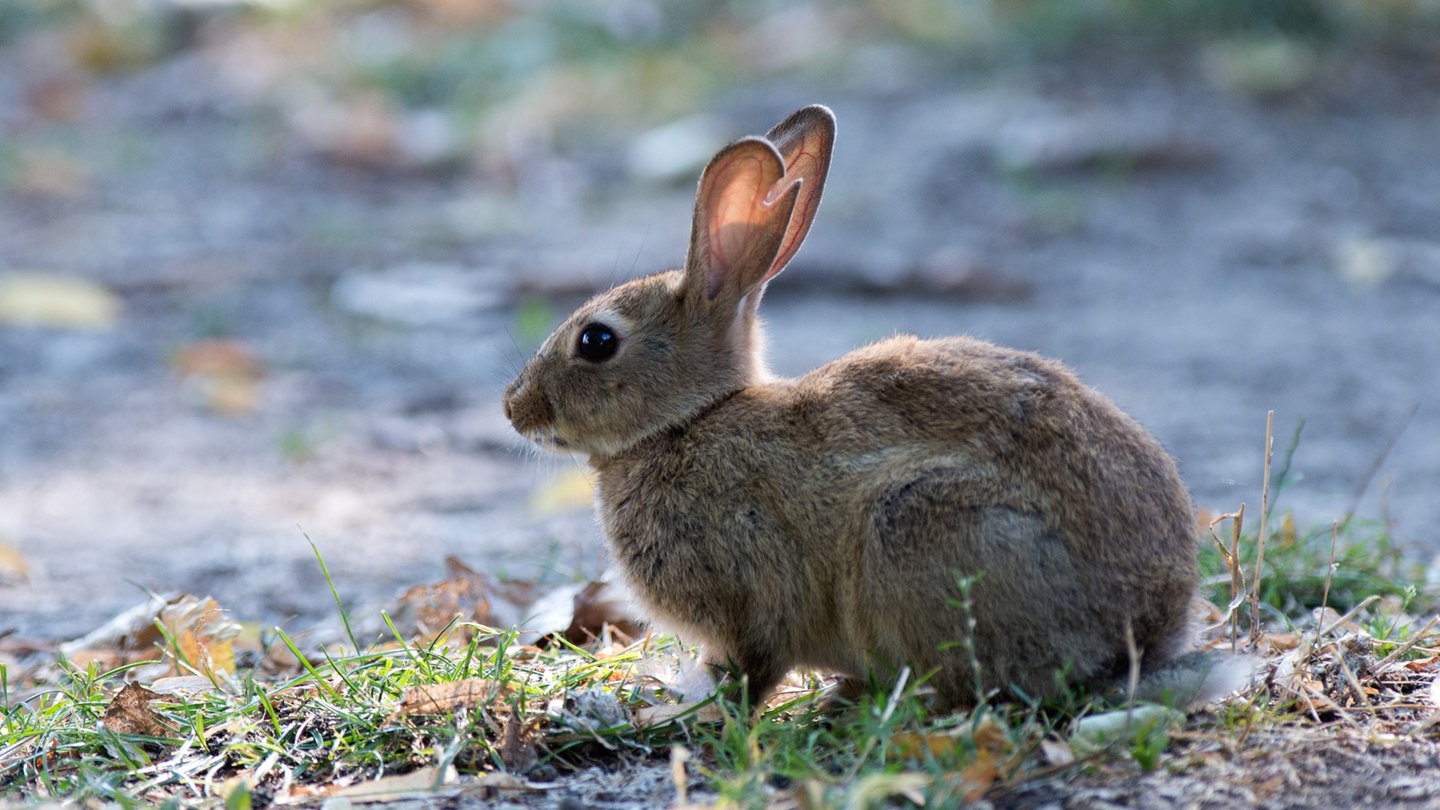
344, 718
356, 714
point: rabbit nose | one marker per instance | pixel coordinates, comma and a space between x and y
514, 394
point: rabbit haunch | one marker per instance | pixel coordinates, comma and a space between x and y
825, 521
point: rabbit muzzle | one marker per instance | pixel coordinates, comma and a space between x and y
531, 414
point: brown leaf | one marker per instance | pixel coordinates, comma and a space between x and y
228, 373
518, 742
978, 776
49, 172
217, 358
202, 635
13, 567
445, 698
129, 712
427, 610
599, 604
1420, 665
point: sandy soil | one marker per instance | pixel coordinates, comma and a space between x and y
1200, 254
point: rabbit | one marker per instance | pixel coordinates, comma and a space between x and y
932, 504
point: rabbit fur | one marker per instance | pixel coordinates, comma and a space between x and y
825, 521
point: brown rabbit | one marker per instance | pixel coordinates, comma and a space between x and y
824, 521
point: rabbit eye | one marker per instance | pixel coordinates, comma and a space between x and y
597, 343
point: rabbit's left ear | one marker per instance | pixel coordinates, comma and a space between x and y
804, 141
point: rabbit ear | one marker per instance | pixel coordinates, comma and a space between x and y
742, 214
804, 140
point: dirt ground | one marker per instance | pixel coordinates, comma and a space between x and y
1200, 253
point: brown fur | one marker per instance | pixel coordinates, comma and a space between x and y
823, 521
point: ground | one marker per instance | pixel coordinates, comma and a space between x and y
1201, 251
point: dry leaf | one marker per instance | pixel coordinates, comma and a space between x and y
915, 745
49, 172
1057, 753
228, 371
697, 711
445, 698
13, 567
202, 635
1420, 665
987, 737
217, 358
872, 790
414, 785
1122, 726
571, 489
58, 97
665, 713
129, 631
184, 685
978, 776
600, 604
198, 626
129, 712
37, 299
427, 610
518, 741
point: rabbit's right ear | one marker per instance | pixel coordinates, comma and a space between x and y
742, 216
804, 140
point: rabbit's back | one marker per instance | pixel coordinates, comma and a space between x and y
1069, 517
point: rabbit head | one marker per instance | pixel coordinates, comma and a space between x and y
652, 353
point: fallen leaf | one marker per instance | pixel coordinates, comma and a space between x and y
425, 611
217, 358
987, 737
571, 489
666, 713
518, 741
183, 685
202, 635
977, 777
1123, 726
1056, 752
679, 755
13, 566
128, 631
49, 172
228, 371
918, 746
414, 785
129, 712
600, 604
874, 789
199, 627
445, 698
1421, 664
58, 97
38, 299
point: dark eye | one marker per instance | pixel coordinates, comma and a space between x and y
597, 343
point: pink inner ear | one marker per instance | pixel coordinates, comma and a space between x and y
735, 219
737, 213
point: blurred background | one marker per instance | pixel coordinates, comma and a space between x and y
266, 266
